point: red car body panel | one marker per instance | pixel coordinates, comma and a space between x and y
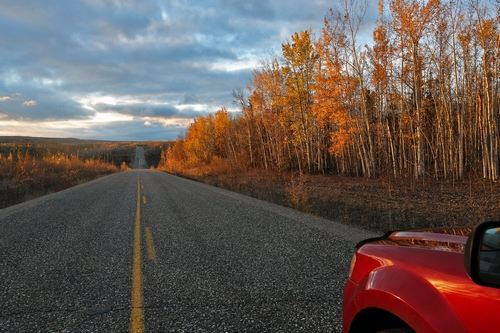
420, 277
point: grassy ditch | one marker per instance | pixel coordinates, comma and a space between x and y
373, 204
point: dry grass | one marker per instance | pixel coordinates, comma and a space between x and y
24, 177
379, 204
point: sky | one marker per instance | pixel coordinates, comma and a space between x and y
134, 69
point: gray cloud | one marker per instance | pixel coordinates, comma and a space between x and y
151, 110
132, 130
178, 52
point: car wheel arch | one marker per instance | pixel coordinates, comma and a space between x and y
373, 320
382, 289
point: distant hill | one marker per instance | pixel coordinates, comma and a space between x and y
71, 141
33, 139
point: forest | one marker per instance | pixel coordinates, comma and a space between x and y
421, 99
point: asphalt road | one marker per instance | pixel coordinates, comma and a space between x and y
147, 250
139, 159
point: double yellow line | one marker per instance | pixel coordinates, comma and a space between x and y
137, 297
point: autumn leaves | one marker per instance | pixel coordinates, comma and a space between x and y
421, 99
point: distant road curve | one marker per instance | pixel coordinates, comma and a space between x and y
147, 251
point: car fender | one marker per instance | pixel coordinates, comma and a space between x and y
410, 297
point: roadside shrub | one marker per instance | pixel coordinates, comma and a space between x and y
297, 193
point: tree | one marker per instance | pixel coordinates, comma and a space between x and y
300, 59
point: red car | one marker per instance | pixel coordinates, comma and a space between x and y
424, 281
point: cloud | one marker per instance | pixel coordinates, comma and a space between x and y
159, 62
30, 103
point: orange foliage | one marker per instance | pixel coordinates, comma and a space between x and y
422, 100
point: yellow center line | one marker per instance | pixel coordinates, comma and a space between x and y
150, 245
137, 298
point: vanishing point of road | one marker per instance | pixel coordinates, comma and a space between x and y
145, 251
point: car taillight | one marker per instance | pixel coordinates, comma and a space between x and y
353, 262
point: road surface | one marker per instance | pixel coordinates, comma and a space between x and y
139, 159
147, 251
